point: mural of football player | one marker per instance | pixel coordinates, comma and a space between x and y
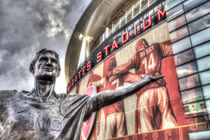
153, 107
114, 114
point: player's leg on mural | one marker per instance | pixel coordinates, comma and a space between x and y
150, 104
115, 125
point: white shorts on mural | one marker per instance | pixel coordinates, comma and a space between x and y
154, 111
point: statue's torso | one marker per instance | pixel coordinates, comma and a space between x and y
27, 118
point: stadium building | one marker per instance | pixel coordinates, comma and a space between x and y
117, 42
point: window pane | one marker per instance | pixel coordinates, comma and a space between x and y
175, 12
172, 3
205, 77
203, 63
194, 108
174, 24
186, 69
208, 105
206, 91
200, 37
192, 95
181, 45
129, 17
202, 50
184, 57
117, 27
189, 4
123, 21
201, 135
198, 12
199, 24
136, 9
179, 34
151, 1
144, 4
189, 82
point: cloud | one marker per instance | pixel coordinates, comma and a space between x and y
28, 26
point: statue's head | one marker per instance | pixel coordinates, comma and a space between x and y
45, 65
141, 45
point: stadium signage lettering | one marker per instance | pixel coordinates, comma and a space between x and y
108, 49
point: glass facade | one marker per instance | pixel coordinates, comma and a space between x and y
189, 23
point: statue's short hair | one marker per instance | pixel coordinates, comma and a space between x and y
43, 51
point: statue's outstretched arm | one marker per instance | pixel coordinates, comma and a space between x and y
111, 96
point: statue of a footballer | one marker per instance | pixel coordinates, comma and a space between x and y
43, 114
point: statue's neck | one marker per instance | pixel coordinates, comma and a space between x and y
44, 90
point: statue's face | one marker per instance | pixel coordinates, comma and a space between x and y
46, 67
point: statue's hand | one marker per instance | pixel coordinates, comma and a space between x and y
152, 78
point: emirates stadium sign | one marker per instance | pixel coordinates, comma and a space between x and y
113, 43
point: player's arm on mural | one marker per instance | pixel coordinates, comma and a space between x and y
98, 83
111, 96
125, 67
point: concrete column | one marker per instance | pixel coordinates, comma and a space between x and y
85, 49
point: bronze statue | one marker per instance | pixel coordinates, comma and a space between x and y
44, 115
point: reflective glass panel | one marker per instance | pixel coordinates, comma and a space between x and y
186, 69
181, 45
208, 105
199, 24
184, 57
189, 4
189, 82
175, 11
198, 12
172, 3
179, 34
206, 91
205, 77
192, 95
203, 63
201, 135
178, 22
202, 50
200, 37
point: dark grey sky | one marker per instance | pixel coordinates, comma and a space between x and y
26, 26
